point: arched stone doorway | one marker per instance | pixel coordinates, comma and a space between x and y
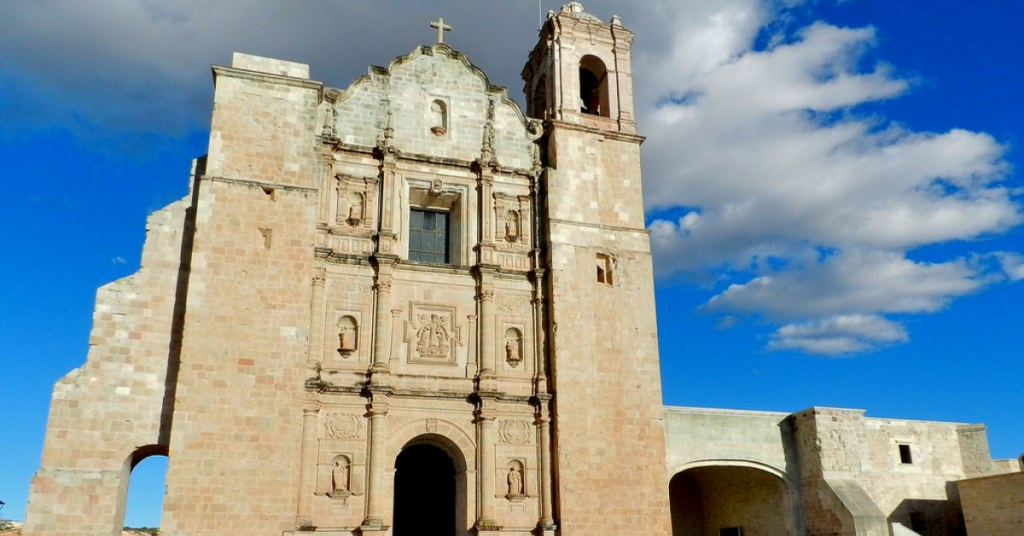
428, 497
714, 500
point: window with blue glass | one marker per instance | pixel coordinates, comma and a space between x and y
428, 236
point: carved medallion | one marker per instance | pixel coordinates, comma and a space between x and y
512, 304
515, 432
342, 426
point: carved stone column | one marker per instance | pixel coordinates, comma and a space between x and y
395, 336
315, 352
382, 329
487, 357
547, 520
375, 493
307, 467
472, 362
540, 361
485, 426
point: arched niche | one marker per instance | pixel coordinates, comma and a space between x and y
513, 347
348, 335
438, 117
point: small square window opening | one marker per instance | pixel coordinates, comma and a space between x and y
905, 457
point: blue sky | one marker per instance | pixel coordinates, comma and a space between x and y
833, 187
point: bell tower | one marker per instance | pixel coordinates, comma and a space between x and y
603, 348
580, 72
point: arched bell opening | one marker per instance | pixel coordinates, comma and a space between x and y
594, 87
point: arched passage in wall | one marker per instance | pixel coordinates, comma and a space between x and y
713, 500
430, 488
142, 488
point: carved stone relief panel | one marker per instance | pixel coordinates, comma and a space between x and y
355, 205
432, 334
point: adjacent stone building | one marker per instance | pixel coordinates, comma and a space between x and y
398, 308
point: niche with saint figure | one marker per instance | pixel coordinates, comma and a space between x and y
513, 347
515, 479
341, 469
511, 225
348, 335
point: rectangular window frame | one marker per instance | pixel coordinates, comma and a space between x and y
430, 236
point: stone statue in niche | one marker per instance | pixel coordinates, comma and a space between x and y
347, 336
511, 226
515, 479
433, 339
513, 347
340, 478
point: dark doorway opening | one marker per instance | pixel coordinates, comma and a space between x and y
424, 492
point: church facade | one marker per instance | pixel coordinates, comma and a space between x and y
398, 308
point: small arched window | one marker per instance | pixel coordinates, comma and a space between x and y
593, 87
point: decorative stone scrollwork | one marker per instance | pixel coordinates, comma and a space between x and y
342, 426
515, 432
486, 294
431, 425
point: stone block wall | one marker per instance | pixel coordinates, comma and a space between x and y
115, 410
235, 442
993, 505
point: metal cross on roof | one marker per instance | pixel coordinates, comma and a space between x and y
441, 29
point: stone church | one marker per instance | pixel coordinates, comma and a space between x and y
411, 307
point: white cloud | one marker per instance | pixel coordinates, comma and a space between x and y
804, 208
838, 335
1012, 265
